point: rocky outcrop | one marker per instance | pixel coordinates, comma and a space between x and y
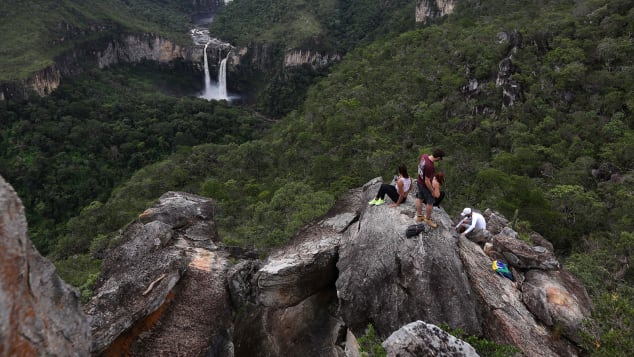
165, 275
557, 298
521, 313
427, 10
421, 339
297, 57
171, 287
521, 255
511, 90
40, 315
389, 280
291, 308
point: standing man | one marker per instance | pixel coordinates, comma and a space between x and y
426, 172
474, 226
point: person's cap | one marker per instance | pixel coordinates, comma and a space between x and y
466, 211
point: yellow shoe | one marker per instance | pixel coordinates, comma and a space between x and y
430, 222
420, 219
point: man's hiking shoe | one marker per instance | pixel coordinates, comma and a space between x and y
373, 202
379, 202
420, 219
430, 222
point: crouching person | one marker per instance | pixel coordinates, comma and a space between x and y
473, 226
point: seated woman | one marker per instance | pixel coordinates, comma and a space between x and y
397, 193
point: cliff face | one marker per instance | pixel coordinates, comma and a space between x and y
295, 58
430, 9
172, 287
40, 315
135, 48
126, 48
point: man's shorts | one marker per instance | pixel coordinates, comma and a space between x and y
424, 194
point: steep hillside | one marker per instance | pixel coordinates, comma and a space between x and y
291, 42
33, 32
320, 25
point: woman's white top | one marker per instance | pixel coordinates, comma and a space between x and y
407, 183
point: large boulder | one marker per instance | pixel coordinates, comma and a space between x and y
290, 302
506, 319
557, 298
421, 339
40, 315
522, 255
389, 280
163, 276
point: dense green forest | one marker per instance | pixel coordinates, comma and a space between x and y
561, 156
67, 150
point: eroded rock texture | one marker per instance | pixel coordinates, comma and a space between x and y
40, 315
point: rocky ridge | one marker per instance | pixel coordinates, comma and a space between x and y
172, 288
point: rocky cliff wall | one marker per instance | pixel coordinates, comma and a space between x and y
430, 9
296, 58
126, 48
40, 315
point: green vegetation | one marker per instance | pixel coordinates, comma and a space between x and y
370, 344
562, 156
484, 347
72, 148
33, 32
328, 27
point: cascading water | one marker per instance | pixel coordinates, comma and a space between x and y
222, 79
207, 94
219, 91
200, 36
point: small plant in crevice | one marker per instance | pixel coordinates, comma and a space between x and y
370, 344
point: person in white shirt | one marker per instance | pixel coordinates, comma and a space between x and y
473, 226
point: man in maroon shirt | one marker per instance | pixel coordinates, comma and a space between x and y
425, 175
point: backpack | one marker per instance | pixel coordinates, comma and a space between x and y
416, 229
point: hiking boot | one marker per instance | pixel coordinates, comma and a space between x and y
430, 222
420, 219
373, 202
379, 202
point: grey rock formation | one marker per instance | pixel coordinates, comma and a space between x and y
430, 9
495, 221
389, 280
421, 339
171, 288
298, 57
40, 315
511, 90
521, 255
162, 277
557, 298
506, 319
134, 48
291, 303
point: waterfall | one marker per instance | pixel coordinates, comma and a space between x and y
212, 90
207, 94
222, 78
